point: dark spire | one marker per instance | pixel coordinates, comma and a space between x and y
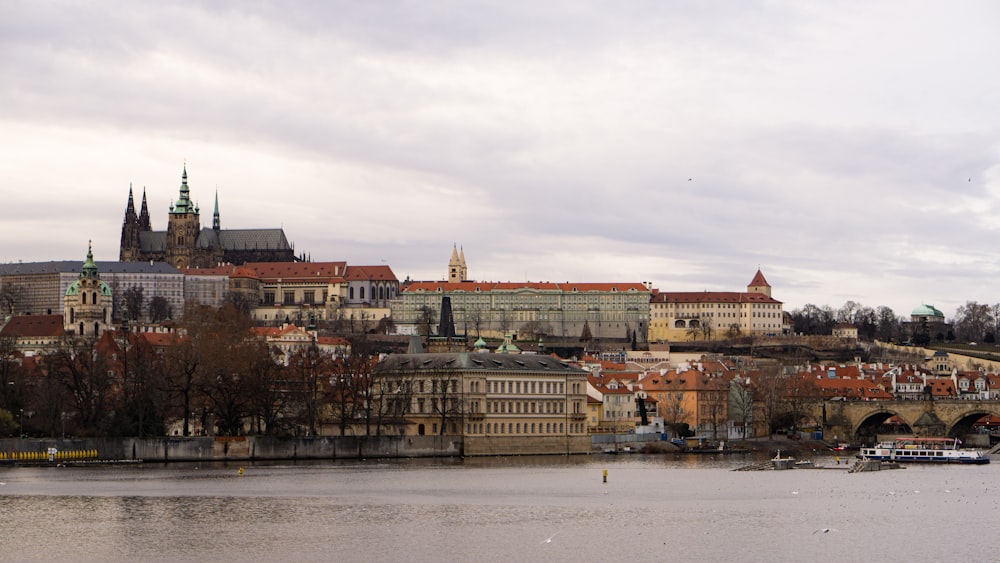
144, 223
216, 222
130, 208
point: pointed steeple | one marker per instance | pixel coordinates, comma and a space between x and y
454, 266
216, 222
184, 204
144, 223
89, 269
759, 285
130, 208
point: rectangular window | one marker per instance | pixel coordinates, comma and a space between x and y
289, 298
269, 298
309, 297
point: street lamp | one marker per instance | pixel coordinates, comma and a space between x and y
21, 435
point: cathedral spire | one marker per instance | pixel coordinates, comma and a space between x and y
130, 208
184, 204
144, 223
216, 222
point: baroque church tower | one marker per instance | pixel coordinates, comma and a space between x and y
457, 270
87, 302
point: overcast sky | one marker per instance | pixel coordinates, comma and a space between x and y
848, 149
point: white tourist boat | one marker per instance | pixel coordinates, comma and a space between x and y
929, 450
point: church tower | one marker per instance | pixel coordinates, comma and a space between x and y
132, 226
183, 226
759, 285
87, 301
130, 231
457, 270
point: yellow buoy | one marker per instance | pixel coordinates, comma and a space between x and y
240, 471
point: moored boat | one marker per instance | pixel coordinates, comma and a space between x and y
928, 450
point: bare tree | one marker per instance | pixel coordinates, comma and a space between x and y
13, 297
474, 317
86, 375
425, 321
309, 369
182, 361
160, 310
714, 399
741, 403
268, 391
972, 321
768, 388
134, 303
447, 402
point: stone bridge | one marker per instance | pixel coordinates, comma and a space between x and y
860, 420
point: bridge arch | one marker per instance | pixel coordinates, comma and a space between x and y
963, 423
882, 421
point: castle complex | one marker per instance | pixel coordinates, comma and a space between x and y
185, 244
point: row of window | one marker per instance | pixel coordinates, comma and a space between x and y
526, 428
527, 407
528, 387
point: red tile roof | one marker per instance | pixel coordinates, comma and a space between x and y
511, 286
293, 272
758, 280
712, 297
34, 325
374, 273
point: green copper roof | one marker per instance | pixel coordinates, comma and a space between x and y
74, 289
184, 204
89, 268
89, 271
927, 311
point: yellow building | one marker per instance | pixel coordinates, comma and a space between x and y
497, 404
713, 315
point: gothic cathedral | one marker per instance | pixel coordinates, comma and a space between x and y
185, 244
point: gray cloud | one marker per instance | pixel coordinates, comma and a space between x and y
848, 151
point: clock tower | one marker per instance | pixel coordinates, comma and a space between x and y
183, 226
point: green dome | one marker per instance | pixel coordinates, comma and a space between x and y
74, 289
926, 311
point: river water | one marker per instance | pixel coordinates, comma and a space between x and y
652, 508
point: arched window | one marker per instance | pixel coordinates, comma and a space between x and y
350, 293
84, 296
93, 298
81, 329
96, 328
381, 295
361, 293
72, 316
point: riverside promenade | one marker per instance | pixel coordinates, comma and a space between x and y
233, 448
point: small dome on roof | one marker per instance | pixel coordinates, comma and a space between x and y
925, 310
74, 289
